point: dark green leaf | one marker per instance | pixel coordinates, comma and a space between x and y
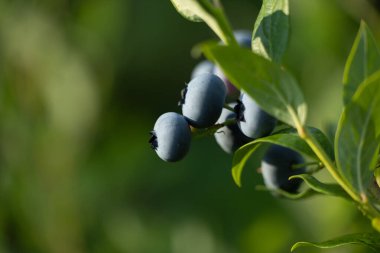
272, 87
287, 138
241, 157
357, 138
368, 95
317, 186
363, 61
371, 240
323, 140
270, 35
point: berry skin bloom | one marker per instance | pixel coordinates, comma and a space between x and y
203, 100
171, 137
253, 121
203, 67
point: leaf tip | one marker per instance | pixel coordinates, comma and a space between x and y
294, 247
236, 179
294, 177
297, 245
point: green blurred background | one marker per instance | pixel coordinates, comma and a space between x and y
81, 85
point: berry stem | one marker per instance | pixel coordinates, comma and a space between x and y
226, 106
199, 133
316, 169
301, 165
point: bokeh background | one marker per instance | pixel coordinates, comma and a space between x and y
81, 85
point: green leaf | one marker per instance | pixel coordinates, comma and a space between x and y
287, 138
326, 189
357, 139
368, 95
323, 140
271, 31
240, 158
189, 9
363, 61
371, 240
272, 87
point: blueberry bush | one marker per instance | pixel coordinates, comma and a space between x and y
271, 113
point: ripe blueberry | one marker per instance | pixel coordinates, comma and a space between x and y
202, 67
253, 121
229, 137
276, 168
203, 100
171, 137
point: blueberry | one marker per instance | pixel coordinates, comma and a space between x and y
171, 137
229, 137
253, 121
276, 168
203, 100
202, 67
243, 38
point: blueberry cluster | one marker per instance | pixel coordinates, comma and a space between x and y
203, 103
243, 38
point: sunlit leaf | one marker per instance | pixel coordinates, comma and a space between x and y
371, 240
363, 61
189, 9
271, 31
368, 95
357, 138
